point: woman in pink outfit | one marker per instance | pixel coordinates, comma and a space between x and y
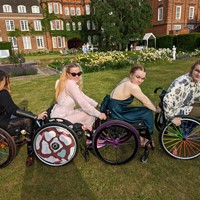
69, 94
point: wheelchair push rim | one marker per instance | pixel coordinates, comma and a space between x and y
7, 149
119, 142
182, 142
55, 144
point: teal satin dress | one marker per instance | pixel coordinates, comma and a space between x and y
121, 109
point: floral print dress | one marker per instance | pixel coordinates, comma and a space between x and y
182, 93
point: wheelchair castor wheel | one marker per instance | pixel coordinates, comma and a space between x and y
144, 158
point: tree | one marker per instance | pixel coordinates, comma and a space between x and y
118, 21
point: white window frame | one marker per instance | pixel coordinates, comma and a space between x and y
21, 9
190, 26
72, 11
78, 11
10, 26
54, 42
160, 13
50, 7
59, 42
73, 26
87, 9
35, 9
57, 24
27, 42
7, 8
40, 42
24, 25
88, 25
191, 12
178, 12
13, 41
79, 26
37, 25
177, 27
56, 8
67, 11
68, 28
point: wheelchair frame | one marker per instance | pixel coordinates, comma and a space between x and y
181, 142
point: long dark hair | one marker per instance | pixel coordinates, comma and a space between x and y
4, 75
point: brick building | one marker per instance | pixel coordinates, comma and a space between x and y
175, 16
52, 25
18, 20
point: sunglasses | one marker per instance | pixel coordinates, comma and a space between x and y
76, 74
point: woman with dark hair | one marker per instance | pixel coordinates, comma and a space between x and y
183, 96
123, 95
12, 117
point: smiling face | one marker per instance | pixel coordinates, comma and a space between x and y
74, 73
196, 73
138, 77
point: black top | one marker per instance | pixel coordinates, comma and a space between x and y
7, 106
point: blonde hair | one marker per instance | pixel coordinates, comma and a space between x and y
6, 86
60, 86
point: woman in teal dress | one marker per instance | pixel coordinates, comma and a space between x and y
123, 95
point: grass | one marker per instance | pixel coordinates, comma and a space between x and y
162, 178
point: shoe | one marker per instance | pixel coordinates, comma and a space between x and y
100, 143
144, 141
29, 161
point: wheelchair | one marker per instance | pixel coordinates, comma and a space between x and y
180, 142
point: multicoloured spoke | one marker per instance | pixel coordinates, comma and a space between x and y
182, 142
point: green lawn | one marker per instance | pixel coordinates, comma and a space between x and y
162, 178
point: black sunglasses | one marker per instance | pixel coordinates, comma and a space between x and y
76, 74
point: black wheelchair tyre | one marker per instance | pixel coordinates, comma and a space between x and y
55, 144
119, 142
7, 148
182, 142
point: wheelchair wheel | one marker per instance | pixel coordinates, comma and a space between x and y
182, 142
7, 149
116, 142
159, 121
55, 144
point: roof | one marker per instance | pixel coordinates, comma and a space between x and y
148, 36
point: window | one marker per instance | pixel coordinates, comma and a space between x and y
58, 26
40, 42
73, 26
21, 9
50, 8
55, 8
37, 25
190, 26
88, 24
68, 26
54, 42
160, 14
93, 26
10, 25
78, 11
59, 41
35, 9
178, 12
79, 26
7, 8
177, 27
24, 25
52, 25
1, 39
72, 11
191, 12
13, 41
27, 42
67, 11
87, 9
